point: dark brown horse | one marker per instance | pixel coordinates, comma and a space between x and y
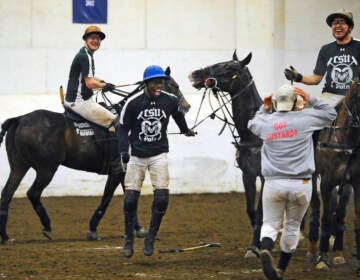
43, 140
234, 78
338, 163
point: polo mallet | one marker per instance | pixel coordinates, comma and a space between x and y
292, 80
62, 98
201, 245
126, 85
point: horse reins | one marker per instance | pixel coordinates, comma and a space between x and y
223, 99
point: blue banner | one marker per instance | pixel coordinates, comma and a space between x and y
89, 11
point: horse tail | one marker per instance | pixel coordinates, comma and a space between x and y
6, 125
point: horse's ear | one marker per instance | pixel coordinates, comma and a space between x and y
167, 71
246, 59
235, 56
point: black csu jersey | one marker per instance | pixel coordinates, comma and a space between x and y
147, 119
340, 63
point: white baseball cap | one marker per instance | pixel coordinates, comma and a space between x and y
284, 98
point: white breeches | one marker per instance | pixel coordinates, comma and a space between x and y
92, 111
285, 201
158, 169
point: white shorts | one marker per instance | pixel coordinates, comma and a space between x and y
92, 111
158, 169
285, 201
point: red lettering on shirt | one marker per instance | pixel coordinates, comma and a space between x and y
280, 125
277, 135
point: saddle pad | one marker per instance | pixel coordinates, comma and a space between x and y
83, 128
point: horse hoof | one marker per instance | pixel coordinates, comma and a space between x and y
322, 266
93, 236
47, 234
338, 260
141, 232
252, 252
323, 262
9, 241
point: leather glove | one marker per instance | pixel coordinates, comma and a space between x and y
292, 75
190, 132
125, 157
108, 87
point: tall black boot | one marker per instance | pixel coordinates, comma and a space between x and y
159, 206
116, 166
267, 260
116, 146
130, 208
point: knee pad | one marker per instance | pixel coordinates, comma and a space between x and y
161, 200
131, 200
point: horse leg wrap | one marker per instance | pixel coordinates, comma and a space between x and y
44, 218
159, 206
314, 226
256, 235
96, 217
130, 209
339, 238
357, 240
324, 239
3, 222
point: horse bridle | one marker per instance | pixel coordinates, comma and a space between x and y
224, 98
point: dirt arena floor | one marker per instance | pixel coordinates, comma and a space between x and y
190, 219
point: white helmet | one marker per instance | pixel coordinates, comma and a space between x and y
285, 98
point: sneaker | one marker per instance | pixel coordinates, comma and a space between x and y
141, 232
148, 249
269, 269
128, 249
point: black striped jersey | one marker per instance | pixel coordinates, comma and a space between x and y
147, 120
82, 66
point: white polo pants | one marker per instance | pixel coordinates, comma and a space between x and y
92, 111
285, 201
158, 169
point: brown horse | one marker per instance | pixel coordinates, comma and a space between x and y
43, 140
338, 163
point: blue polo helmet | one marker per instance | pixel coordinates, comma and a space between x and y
154, 71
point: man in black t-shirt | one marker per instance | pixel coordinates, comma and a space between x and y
338, 60
143, 122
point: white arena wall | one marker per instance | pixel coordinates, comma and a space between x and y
38, 42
